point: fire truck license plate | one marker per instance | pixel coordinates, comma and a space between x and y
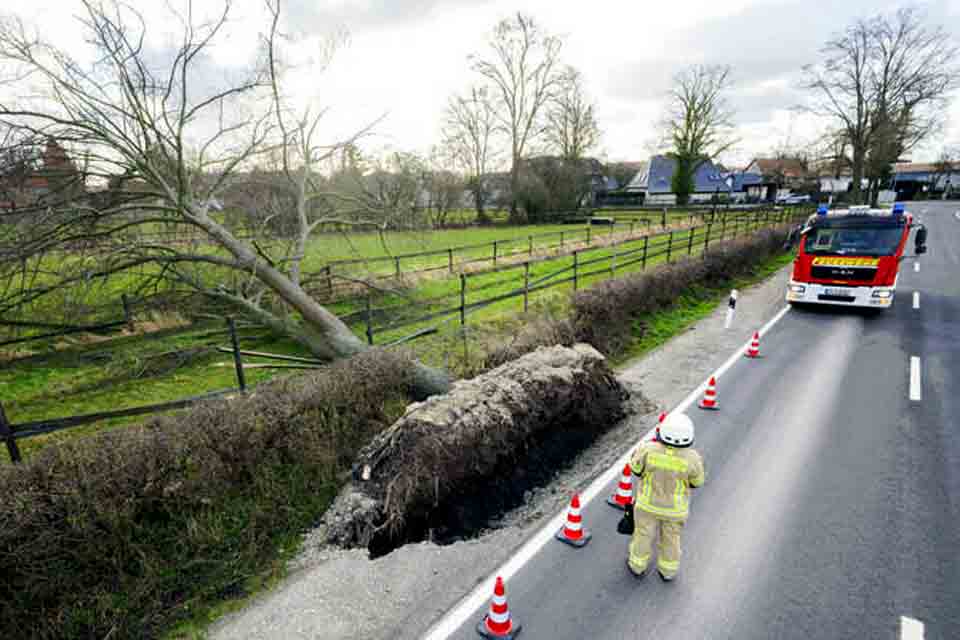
839, 292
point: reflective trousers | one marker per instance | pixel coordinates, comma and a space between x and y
645, 530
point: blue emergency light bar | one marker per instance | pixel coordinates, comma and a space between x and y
822, 210
898, 209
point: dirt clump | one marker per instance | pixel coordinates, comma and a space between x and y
438, 466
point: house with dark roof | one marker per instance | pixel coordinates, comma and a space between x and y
711, 180
780, 175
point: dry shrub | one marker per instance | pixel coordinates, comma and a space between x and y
118, 534
603, 315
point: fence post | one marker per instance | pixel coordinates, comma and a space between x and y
706, 239
463, 299
643, 260
450, 259
588, 233
632, 222
530, 245
329, 276
576, 263
526, 286
669, 246
237, 360
690, 242
396, 260
494, 253
127, 313
561, 239
663, 219
7, 434
369, 318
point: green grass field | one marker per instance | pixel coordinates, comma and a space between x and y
94, 376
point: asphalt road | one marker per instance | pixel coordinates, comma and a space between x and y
832, 503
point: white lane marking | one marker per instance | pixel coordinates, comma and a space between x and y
916, 299
916, 266
957, 215
915, 390
474, 600
910, 629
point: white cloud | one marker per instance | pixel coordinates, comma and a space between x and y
405, 57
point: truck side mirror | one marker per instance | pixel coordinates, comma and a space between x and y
920, 241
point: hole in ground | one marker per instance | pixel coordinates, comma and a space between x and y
541, 458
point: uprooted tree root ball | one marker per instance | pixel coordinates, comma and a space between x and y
446, 453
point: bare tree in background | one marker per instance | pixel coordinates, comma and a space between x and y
443, 187
468, 136
883, 83
132, 112
571, 126
698, 125
522, 72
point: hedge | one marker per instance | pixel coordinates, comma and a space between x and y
119, 534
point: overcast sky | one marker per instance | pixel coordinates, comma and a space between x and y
403, 58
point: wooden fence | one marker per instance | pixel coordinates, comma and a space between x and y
11, 433
342, 279
585, 264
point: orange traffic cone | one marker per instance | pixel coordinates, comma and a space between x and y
497, 622
656, 435
709, 400
572, 532
623, 498
753, 351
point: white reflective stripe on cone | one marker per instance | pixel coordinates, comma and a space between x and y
499, 600
573, 526
499, 618
574, 511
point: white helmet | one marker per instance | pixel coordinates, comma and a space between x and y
676, 430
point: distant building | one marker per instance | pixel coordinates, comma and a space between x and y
911, 178
779, 176
32, 182
655, 182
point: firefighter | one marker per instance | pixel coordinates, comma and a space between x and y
668, 468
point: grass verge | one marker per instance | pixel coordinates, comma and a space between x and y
652, 330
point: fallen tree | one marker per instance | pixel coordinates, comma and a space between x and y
448, 447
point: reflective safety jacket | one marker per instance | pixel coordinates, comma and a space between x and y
666, 476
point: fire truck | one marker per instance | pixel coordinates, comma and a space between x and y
851, 257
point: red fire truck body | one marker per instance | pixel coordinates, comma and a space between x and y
852, 257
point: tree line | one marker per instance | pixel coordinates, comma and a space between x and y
234, 160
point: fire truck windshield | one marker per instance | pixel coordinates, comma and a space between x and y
873, 241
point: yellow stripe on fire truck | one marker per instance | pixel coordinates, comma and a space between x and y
836, 261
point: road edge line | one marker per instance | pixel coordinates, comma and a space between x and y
457, 615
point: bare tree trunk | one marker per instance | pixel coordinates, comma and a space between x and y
857, 169
514, 190
333, 339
